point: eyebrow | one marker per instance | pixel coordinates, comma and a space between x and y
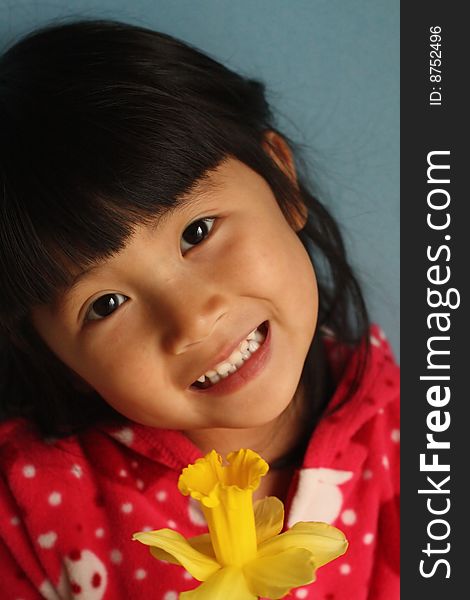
83, 274
60, 300
202, 188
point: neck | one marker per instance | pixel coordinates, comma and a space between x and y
271, 441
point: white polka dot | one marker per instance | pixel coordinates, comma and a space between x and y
327, 331
187, 575
374, 341
140, 484
127, 507
382, 334
77, 471
47, 540
161, 496
116, 556
301, 593
349, 517
170, 596
195, 513
381, 411
140, 574
345, 569
385, 461
171, 524
124, 435
395, 435
123, 473
368, 538
47, 590
134, 464
15, 521
99, 532
147, 528
55, 498
367, 474
29, 471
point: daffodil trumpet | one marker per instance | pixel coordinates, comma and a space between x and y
244, 556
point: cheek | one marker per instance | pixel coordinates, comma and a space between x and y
277, 269
278, 264
257, 254
295, 286
302, 274
114, 363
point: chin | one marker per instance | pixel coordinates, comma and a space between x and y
257, 413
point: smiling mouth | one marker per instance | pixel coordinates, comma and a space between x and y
235, 362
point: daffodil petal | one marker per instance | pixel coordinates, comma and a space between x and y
227, 584
202, 543
171, 542
269, 518
274, 576
245, 469
162, 555
323, 541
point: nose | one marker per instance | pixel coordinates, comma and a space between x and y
191, 316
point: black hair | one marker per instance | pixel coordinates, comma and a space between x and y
106, 125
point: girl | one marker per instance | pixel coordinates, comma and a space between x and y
170, 286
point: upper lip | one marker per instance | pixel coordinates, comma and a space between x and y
224, 354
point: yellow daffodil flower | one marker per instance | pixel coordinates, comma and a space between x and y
244, 555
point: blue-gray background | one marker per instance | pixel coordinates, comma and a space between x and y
332, 68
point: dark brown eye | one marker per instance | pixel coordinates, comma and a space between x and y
104, 306
195, 233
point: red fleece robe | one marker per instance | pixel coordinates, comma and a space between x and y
68, 508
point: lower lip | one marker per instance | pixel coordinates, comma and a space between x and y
246, 373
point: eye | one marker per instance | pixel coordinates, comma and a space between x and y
104, 306
195, 233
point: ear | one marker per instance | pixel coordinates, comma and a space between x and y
278, 149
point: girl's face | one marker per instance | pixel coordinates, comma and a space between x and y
179, 300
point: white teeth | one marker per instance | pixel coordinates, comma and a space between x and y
236, 358
202, 379
251, 336
244, 346
259, 337
211, 374
246, 355
215, 378
253, 346
224, 368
